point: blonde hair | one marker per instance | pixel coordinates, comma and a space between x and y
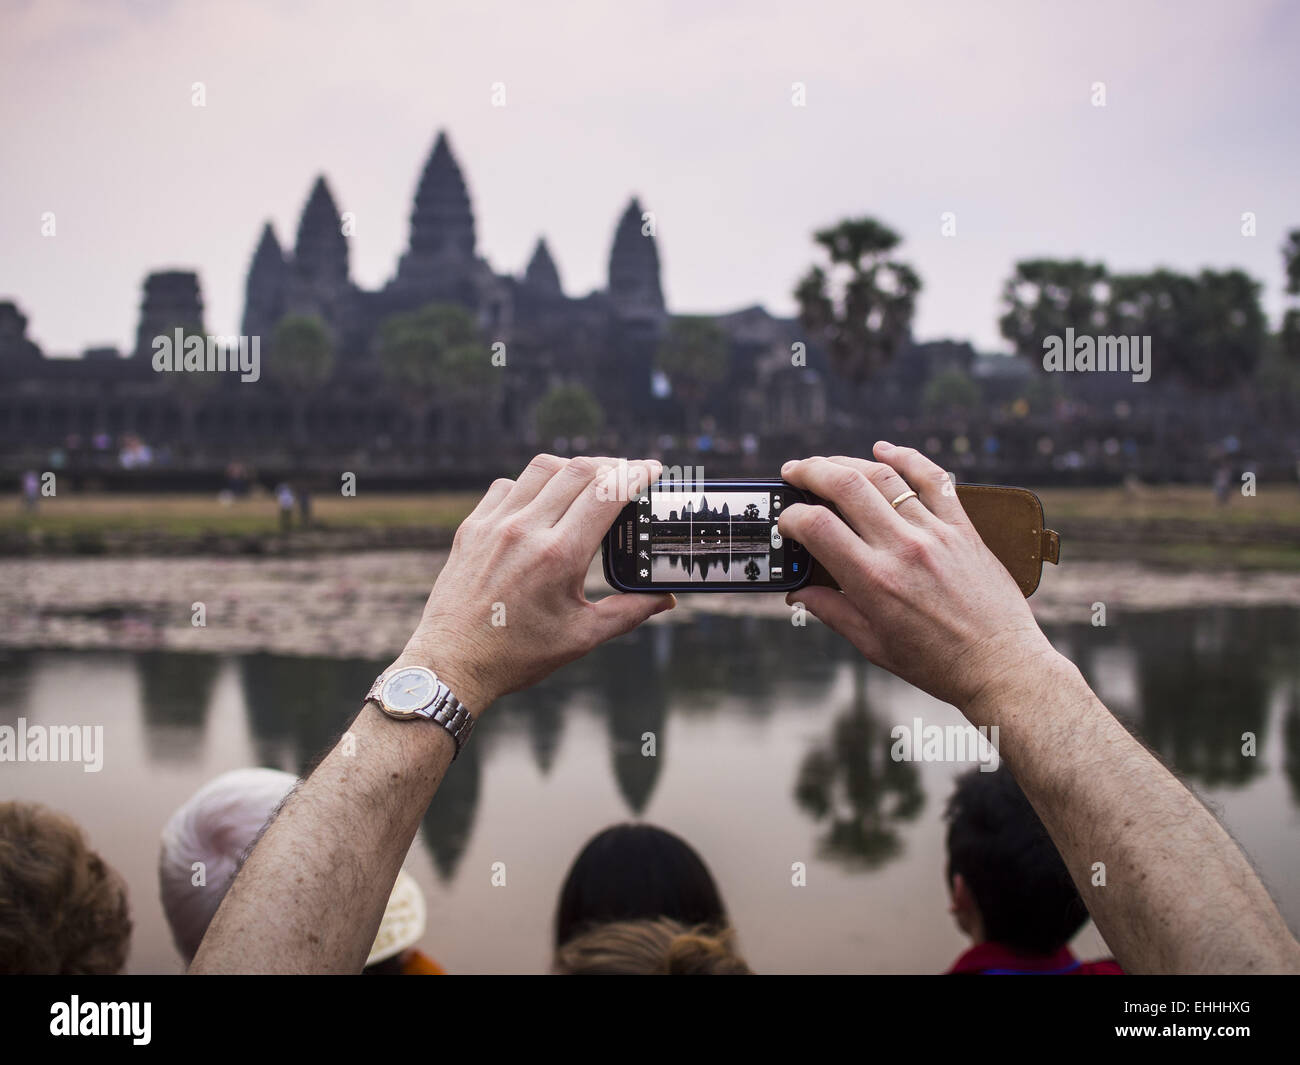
654, 947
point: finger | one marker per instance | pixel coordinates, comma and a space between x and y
531, 481
592, 512
930, 481
492, 498
616, 614
837, 613
891, 486
561, 490
856, 498
832, 543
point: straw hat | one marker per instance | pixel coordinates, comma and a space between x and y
403, 921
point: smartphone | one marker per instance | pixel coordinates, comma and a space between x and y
706, 536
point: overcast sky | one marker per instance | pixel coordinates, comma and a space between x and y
913, 109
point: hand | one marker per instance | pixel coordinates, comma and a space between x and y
922, 595
508, 607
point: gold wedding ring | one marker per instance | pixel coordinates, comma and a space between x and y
909, 494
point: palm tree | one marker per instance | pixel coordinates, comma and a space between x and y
862, 303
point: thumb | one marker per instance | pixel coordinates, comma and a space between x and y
623, 612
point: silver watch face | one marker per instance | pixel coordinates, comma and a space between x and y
408, 690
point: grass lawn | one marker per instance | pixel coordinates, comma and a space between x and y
1178, 526
193, 515
1274, 504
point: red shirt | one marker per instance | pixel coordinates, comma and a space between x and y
993, 959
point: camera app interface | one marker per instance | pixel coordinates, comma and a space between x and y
709, 537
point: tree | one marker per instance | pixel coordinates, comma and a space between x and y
1044, 297
1209, 330
436, 354
568, 411
862, 304
188, 389
1291, 260
950, 390
1290, 333
302, 358
694, 357
302, 351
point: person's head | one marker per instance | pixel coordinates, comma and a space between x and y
655, 947
63, 910
1006, 880
217, 826
632, 872
204, 842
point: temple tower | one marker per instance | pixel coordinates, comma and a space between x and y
171, 299
320, 256
264, 293
440, 256
317, 282
541, 275
634, 268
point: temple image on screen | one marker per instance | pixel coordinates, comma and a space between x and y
700, 536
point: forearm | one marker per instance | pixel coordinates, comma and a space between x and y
311, 895
1178, 894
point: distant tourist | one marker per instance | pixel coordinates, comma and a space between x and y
63, 909
1009, 889
1222, 484
658, 947
633, 872
284, 499
206, 840
31, 490
304, 505
237, 480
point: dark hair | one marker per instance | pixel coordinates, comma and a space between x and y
1025, 896
632, 872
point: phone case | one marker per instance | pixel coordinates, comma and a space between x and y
1010, 522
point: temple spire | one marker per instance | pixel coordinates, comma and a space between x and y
321, 251
442, 223
634, 265
264, 293
541, 273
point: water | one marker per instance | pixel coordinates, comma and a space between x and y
772, 749
679, 567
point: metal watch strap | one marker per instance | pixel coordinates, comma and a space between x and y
451, 714
445, 709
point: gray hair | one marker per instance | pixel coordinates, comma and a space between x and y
204, 843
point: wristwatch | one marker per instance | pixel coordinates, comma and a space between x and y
413, 691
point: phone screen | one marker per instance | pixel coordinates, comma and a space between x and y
709, 536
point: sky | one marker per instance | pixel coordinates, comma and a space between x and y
982, 109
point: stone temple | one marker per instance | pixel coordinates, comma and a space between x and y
605, 340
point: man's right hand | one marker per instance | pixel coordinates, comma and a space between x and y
508, 607
922, 595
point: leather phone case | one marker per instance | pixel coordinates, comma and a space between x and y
1010, 522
